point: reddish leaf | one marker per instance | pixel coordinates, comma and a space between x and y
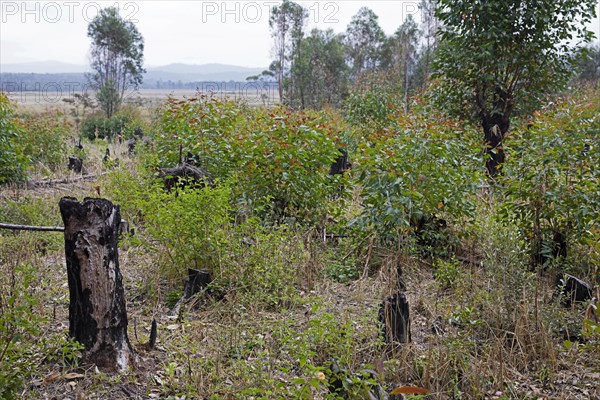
409, 390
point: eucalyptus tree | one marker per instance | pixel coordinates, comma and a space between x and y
287, 28
320, 71
498, 57
364, 42
117, 56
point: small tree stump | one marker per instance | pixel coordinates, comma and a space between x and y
75, 164
172, 176
572, 290
196, 281
394, 319
97, 312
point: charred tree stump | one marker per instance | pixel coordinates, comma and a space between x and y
178, 175
394, 319
97, 312
75, 164
572, 290
197, 280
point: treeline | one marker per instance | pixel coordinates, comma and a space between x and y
318, 68
77, 82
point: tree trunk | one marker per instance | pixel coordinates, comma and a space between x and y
394, 319
494, 129
97, 312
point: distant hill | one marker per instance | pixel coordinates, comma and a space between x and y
43, 67
178, 73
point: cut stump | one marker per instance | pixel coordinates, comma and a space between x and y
394, 319
97, 312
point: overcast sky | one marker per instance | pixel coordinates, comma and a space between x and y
193, 32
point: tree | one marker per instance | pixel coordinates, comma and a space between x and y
364, 41
117, 55
499, 56
588, 66
320, 71
429, 27
287, 27
401, 55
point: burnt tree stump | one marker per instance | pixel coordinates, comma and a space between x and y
97, 312
75, 164
394, 319
197, 280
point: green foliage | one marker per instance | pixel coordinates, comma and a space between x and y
448, 273
424, 166
279, 159
117, 55
319, 71
186, 226
513, 61
12, 159
551, 183
263, 265
283, 160
203, 126
364, 41
126, 124
372, 107
44, 138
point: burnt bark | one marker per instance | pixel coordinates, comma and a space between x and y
394, 319
178, 175
197, 280
495, 121
97, 311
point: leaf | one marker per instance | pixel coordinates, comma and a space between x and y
53, 377
409, 390
73, 375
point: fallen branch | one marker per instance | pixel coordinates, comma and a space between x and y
32, 228
70, 179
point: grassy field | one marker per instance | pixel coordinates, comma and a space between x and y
149, 98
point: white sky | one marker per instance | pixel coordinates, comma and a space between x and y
193, 32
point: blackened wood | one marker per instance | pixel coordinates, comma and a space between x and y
197, 280
97, 312
394, 319
341, 163
75, 164
573, 290
153, 335
172, 176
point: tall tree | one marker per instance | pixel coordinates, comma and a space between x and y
117, 56
501, 55
588, 66
401, 55
429, 27
364, 41
320, 69
287, 28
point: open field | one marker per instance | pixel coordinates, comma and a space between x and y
40, 101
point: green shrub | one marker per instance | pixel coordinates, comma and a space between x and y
551, 178
203, 126
12, 159
126, 124
425, 166
263, 265
280, 159
283, 160
45, 139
